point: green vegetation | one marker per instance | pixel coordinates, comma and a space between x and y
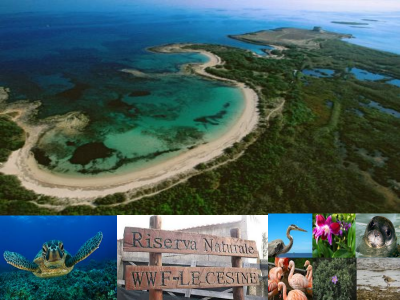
335, 279
313, 157
12, 137
14, 199
111, 199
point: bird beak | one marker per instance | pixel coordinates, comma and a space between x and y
301, 229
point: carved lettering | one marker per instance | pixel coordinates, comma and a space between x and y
162, 241
152, 277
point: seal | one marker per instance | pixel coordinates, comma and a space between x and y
379, 239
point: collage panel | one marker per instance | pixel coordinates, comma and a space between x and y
335, 278
290, 235
378, 235
378, 278
334, 235
58, 257
180, 257
290, 278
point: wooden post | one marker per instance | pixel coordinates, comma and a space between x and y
238, 293
155, 258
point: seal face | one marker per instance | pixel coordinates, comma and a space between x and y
379, 233
379, 238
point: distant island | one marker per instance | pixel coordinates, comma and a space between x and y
350, 23
291, 37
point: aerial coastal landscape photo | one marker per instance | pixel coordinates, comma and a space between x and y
199, 107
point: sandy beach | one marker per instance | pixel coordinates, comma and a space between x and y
22, 163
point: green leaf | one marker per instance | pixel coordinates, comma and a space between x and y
351, 238
342, 253
343, 245
315, 253
324, 250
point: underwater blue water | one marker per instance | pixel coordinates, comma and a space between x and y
72, 62
26, 235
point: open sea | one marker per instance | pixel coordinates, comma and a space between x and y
73, 62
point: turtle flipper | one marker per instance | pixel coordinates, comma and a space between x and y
20, 262
87, 249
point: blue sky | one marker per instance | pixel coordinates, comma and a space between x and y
11, 6
278, 224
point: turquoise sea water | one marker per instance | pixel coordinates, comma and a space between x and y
72, 62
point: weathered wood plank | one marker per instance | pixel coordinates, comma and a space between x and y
148, 278
155, 259
238, 293
206, 293
163, 241
130, 256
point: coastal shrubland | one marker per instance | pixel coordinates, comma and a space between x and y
14, 198
12, 137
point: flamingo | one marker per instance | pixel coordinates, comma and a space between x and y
307, 264
297, 281
293, 295
278, 246
309, 289
275, 274
272, 288
282, 262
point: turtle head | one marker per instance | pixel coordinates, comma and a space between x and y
53, 251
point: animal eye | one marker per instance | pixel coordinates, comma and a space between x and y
388, 232
61, 246
44, 249
372, 224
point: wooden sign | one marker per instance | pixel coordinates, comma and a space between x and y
147, 278
163, 241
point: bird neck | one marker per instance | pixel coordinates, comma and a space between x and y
284, 292
289, 246
292, 266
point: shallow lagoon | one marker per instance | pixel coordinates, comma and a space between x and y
379, 107
320, 73
365, 75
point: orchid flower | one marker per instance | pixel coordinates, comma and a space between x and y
325, 228
343, 227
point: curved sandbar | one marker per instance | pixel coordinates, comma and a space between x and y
22, 163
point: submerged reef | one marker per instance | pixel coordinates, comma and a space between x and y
97, 280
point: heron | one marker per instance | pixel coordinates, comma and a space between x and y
278, 246
387, 279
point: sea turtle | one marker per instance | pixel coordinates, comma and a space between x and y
53, 260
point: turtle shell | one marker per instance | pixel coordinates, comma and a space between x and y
51, 269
